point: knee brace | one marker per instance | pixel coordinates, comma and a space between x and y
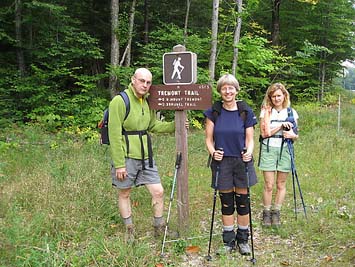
242, 204
227, 203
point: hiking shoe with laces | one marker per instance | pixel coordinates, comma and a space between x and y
244, 248
266, 218
129, 235
275, 218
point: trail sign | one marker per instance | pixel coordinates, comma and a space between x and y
179, 68
180, 97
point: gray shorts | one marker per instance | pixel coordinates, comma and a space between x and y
136, 175
232, 173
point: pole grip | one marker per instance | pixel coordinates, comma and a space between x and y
244, 151
178, 160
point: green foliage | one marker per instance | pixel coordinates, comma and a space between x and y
66, 47
123, 75
258, 63
56, 92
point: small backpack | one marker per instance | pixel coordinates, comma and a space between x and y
103, 124
290, 118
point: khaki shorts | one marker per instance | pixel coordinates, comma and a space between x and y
136, 175
270, 159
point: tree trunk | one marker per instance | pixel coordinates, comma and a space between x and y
322, 81
212, 62
126, 57
237, 36
188, 3
115, 53
18, 28
275, 34
146, 23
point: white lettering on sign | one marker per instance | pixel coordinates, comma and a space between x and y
188, 92
169, 93
180, 97
190, 104
203, 86
192, 99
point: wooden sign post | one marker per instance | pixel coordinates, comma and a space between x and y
180, 93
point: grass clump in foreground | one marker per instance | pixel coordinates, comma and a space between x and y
58, 208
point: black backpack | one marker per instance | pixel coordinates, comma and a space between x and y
242, 108
103, 124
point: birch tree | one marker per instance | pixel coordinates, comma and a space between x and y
146, 22
188, 3
115, 53
126, 57
214, 29
239, 4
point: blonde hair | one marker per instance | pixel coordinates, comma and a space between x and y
267, 102
227, 79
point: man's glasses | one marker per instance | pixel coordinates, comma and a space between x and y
144, 81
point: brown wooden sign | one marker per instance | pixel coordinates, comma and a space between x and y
180, 97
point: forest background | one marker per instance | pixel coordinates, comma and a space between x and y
62, 61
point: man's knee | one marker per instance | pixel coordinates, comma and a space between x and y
227, 202
124, 193
157, 191
242, 204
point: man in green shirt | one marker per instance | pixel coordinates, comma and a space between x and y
131, 153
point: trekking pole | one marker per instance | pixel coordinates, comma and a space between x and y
253, 260
295, 177
301, 195
177, 166
294, 188
208, 257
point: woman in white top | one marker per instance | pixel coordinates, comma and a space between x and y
277, 122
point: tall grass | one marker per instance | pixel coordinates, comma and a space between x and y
58, 208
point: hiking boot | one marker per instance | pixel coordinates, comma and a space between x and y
275, 218
228, 240
129, 235
244, 248
242, 237
159, 230
266, 218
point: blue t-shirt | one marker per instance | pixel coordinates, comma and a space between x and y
229, 130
